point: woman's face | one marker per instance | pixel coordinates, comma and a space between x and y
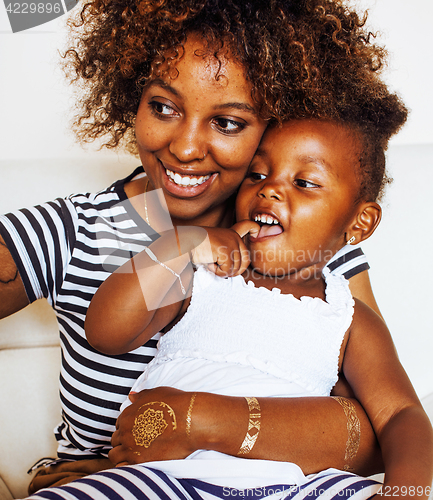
197, 134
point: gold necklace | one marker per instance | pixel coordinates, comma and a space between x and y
146, 215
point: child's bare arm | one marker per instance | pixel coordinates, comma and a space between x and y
139, 299
147, 293
381, 385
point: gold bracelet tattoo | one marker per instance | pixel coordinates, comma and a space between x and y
253, 423
353, 430
151, 423
189, 413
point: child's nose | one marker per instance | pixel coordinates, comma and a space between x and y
188, 142
272, 191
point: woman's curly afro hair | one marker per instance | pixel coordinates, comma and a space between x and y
303, 58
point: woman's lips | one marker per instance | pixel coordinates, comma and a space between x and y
186, 186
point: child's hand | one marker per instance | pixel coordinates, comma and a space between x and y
245, 227
223, 252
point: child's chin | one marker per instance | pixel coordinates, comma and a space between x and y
264, 271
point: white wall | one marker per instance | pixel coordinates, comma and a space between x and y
405, 29
34, 101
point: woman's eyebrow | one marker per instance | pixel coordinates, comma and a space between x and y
240, 106
158, 82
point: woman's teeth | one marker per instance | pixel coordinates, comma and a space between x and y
186, 180
266, 219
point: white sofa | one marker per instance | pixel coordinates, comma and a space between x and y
29, 350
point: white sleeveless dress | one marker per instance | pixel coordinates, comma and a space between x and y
237, 339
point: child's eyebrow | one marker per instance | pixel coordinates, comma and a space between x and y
317, 160
240, 106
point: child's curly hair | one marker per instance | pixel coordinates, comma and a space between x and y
347, 88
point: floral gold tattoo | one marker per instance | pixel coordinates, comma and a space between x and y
151, 423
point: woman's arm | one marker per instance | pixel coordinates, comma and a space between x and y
311, 432
380, 383
360, 287
13, 296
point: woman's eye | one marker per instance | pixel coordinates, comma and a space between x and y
228, 126
305, 184
255, 176
161, 109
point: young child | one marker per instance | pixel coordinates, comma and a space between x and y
311, 189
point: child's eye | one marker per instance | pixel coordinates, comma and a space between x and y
161, 109
305, 184
227, 126
255, 176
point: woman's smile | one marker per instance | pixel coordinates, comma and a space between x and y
183, 185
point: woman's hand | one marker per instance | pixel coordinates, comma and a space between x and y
153, 428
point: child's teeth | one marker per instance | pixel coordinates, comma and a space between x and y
265, 219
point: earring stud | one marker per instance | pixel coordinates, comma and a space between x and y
352, 240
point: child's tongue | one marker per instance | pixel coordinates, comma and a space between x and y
268, 230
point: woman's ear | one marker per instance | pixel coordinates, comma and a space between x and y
364, 223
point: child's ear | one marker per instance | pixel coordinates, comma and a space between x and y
364, 223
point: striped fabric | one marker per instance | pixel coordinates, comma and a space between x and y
64, 250
349, 261
139, 482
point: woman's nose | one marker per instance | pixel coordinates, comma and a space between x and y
188, 143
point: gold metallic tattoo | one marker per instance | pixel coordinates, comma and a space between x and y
253, 423
151, 423
189, 413
353, 430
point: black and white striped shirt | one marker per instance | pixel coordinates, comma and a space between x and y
64, 250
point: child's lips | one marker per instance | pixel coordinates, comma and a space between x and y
267, 230
269, 226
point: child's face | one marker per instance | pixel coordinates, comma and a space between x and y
196, 134
302, 182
